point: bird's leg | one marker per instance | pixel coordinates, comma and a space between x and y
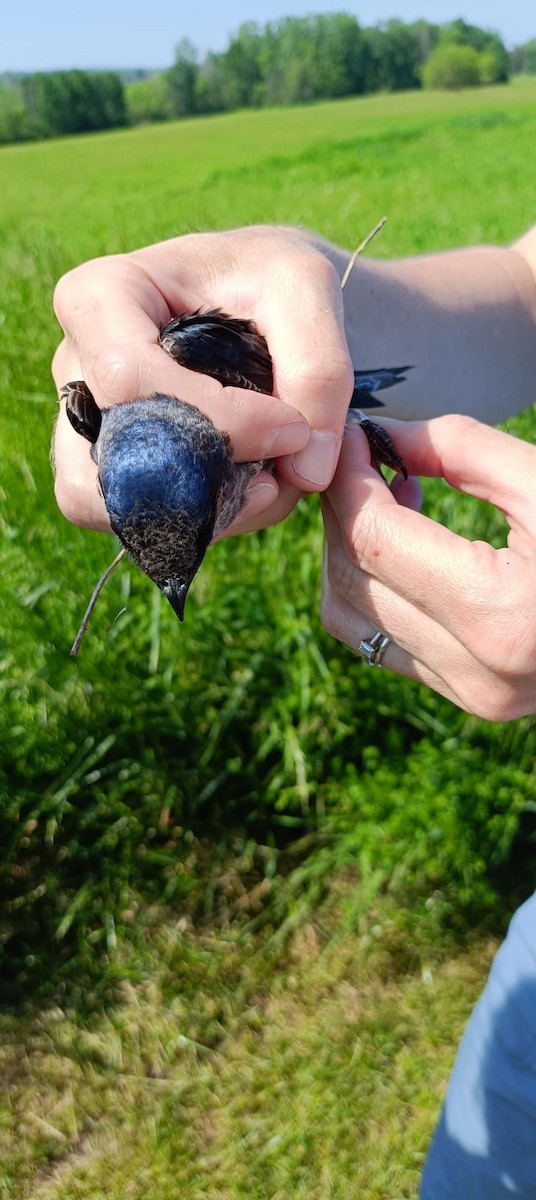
382, 451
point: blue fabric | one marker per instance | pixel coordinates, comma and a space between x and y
484, 1147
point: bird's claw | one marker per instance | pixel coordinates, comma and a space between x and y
382, 451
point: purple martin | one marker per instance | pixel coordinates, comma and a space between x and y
164, 470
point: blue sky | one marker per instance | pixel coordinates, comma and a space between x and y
60, 34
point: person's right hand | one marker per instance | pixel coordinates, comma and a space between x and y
112, 309
458, 615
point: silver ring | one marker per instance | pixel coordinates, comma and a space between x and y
373, 651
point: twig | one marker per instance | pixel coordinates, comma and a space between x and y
95, 595
359, 251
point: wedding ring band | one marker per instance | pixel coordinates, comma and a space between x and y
372, 651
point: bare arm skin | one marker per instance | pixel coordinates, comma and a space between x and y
466, 318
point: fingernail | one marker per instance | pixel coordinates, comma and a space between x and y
316, 463
261, 494
258, 496
288, 439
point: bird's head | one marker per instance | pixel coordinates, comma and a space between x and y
162, 467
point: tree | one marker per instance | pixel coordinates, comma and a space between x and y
305, 58
182, 79
242, 69
452, 66
339, 55
211, 85
149, 100
523, 58
15, 121
110, 105
395, 53
460, 33
426, 36
60, 102
401, 65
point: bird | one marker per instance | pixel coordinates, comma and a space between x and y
166, 473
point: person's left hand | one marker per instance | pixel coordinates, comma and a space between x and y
112, 309
460, 614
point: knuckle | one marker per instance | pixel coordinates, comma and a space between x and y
511, 663
457, 425
115, 374
62, 292
351, 563
330, 372
362, 539
326, 612
67, 495
79, 292
79, 501
340, 573
497, 703
78, 282
506, 645
59, 363
322, 271
330, 618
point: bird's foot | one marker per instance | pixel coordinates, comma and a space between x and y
382, 451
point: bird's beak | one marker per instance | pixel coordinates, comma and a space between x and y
176, 591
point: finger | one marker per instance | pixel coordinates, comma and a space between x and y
76, 484
112, 313
268, 501
355, 606
299, 312
470, 589
407, 492
416, 633
313, 369
77, 494
271, 514
351, 627
75, 474
475, 459
260, 500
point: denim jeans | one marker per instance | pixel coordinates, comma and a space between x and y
484, 1147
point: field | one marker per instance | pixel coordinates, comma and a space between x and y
248, 891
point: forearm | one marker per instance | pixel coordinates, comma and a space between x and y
466, 319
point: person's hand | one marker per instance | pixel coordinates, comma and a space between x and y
460, 614
112, 309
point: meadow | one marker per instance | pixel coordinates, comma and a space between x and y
249, 891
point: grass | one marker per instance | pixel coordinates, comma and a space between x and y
231, 857
318, 1081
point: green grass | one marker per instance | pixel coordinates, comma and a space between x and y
230, 774
319, 1081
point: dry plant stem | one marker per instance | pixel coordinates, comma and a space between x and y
363, 245
95, 595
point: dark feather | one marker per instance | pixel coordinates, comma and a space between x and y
229, 349
367, 382
82, 410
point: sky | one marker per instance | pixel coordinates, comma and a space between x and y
46, 35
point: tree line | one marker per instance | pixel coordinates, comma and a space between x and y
291, 61
55, 103
296, 60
